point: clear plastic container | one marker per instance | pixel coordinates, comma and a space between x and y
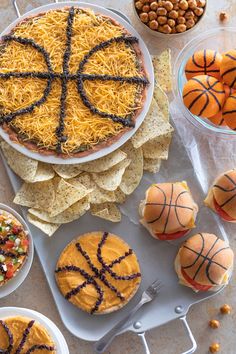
221, 39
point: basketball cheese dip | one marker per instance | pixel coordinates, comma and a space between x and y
22, 335
204, 263
221, 196
168, 211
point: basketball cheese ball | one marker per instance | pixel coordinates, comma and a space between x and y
204, 263
204, 62
204, 96
168, 211
221, 197
229, 111
228, 68
218, 118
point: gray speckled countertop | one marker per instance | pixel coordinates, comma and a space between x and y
169, 339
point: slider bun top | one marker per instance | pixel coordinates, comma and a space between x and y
160, 217
206, 259
224, 191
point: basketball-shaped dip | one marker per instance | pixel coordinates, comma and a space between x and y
168, 211
24, 335
98, 272
204, 96
229, 111
228, 68
204, 262
221, 197
204, 62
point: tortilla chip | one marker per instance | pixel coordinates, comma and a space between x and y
38, 195
66, 194
48, 228
97, 194
44, 172
104, 163
162, 101
67, 171
134, 172
23, 166
74, 212
152, 165
111, 179
163, 70
153, 126
157, 148
120, 196
107, 211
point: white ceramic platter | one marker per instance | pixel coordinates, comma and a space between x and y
126, 136
51, 328
16, 281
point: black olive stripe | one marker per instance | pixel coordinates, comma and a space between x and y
64, 81
10, 338
65, 76
24, 337
40, 347
98, 274
4, 240
202, 263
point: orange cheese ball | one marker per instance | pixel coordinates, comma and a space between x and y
229, 111
217, 119
204, 96
228, 68
204, 62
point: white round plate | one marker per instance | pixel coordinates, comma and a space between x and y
126, 136
52, 329
18, 279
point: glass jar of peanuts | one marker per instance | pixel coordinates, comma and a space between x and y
172, 17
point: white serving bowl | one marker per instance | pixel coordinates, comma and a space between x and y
52, 329
18, 279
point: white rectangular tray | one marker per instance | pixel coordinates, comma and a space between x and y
156, 257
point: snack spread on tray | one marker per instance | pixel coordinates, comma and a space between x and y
14, 244
76, 79
58, 194
98, 272
172, 16
23, 335
168, 211
204, 263
221, 196
210, 89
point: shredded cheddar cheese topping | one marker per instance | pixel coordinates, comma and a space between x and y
82, 127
